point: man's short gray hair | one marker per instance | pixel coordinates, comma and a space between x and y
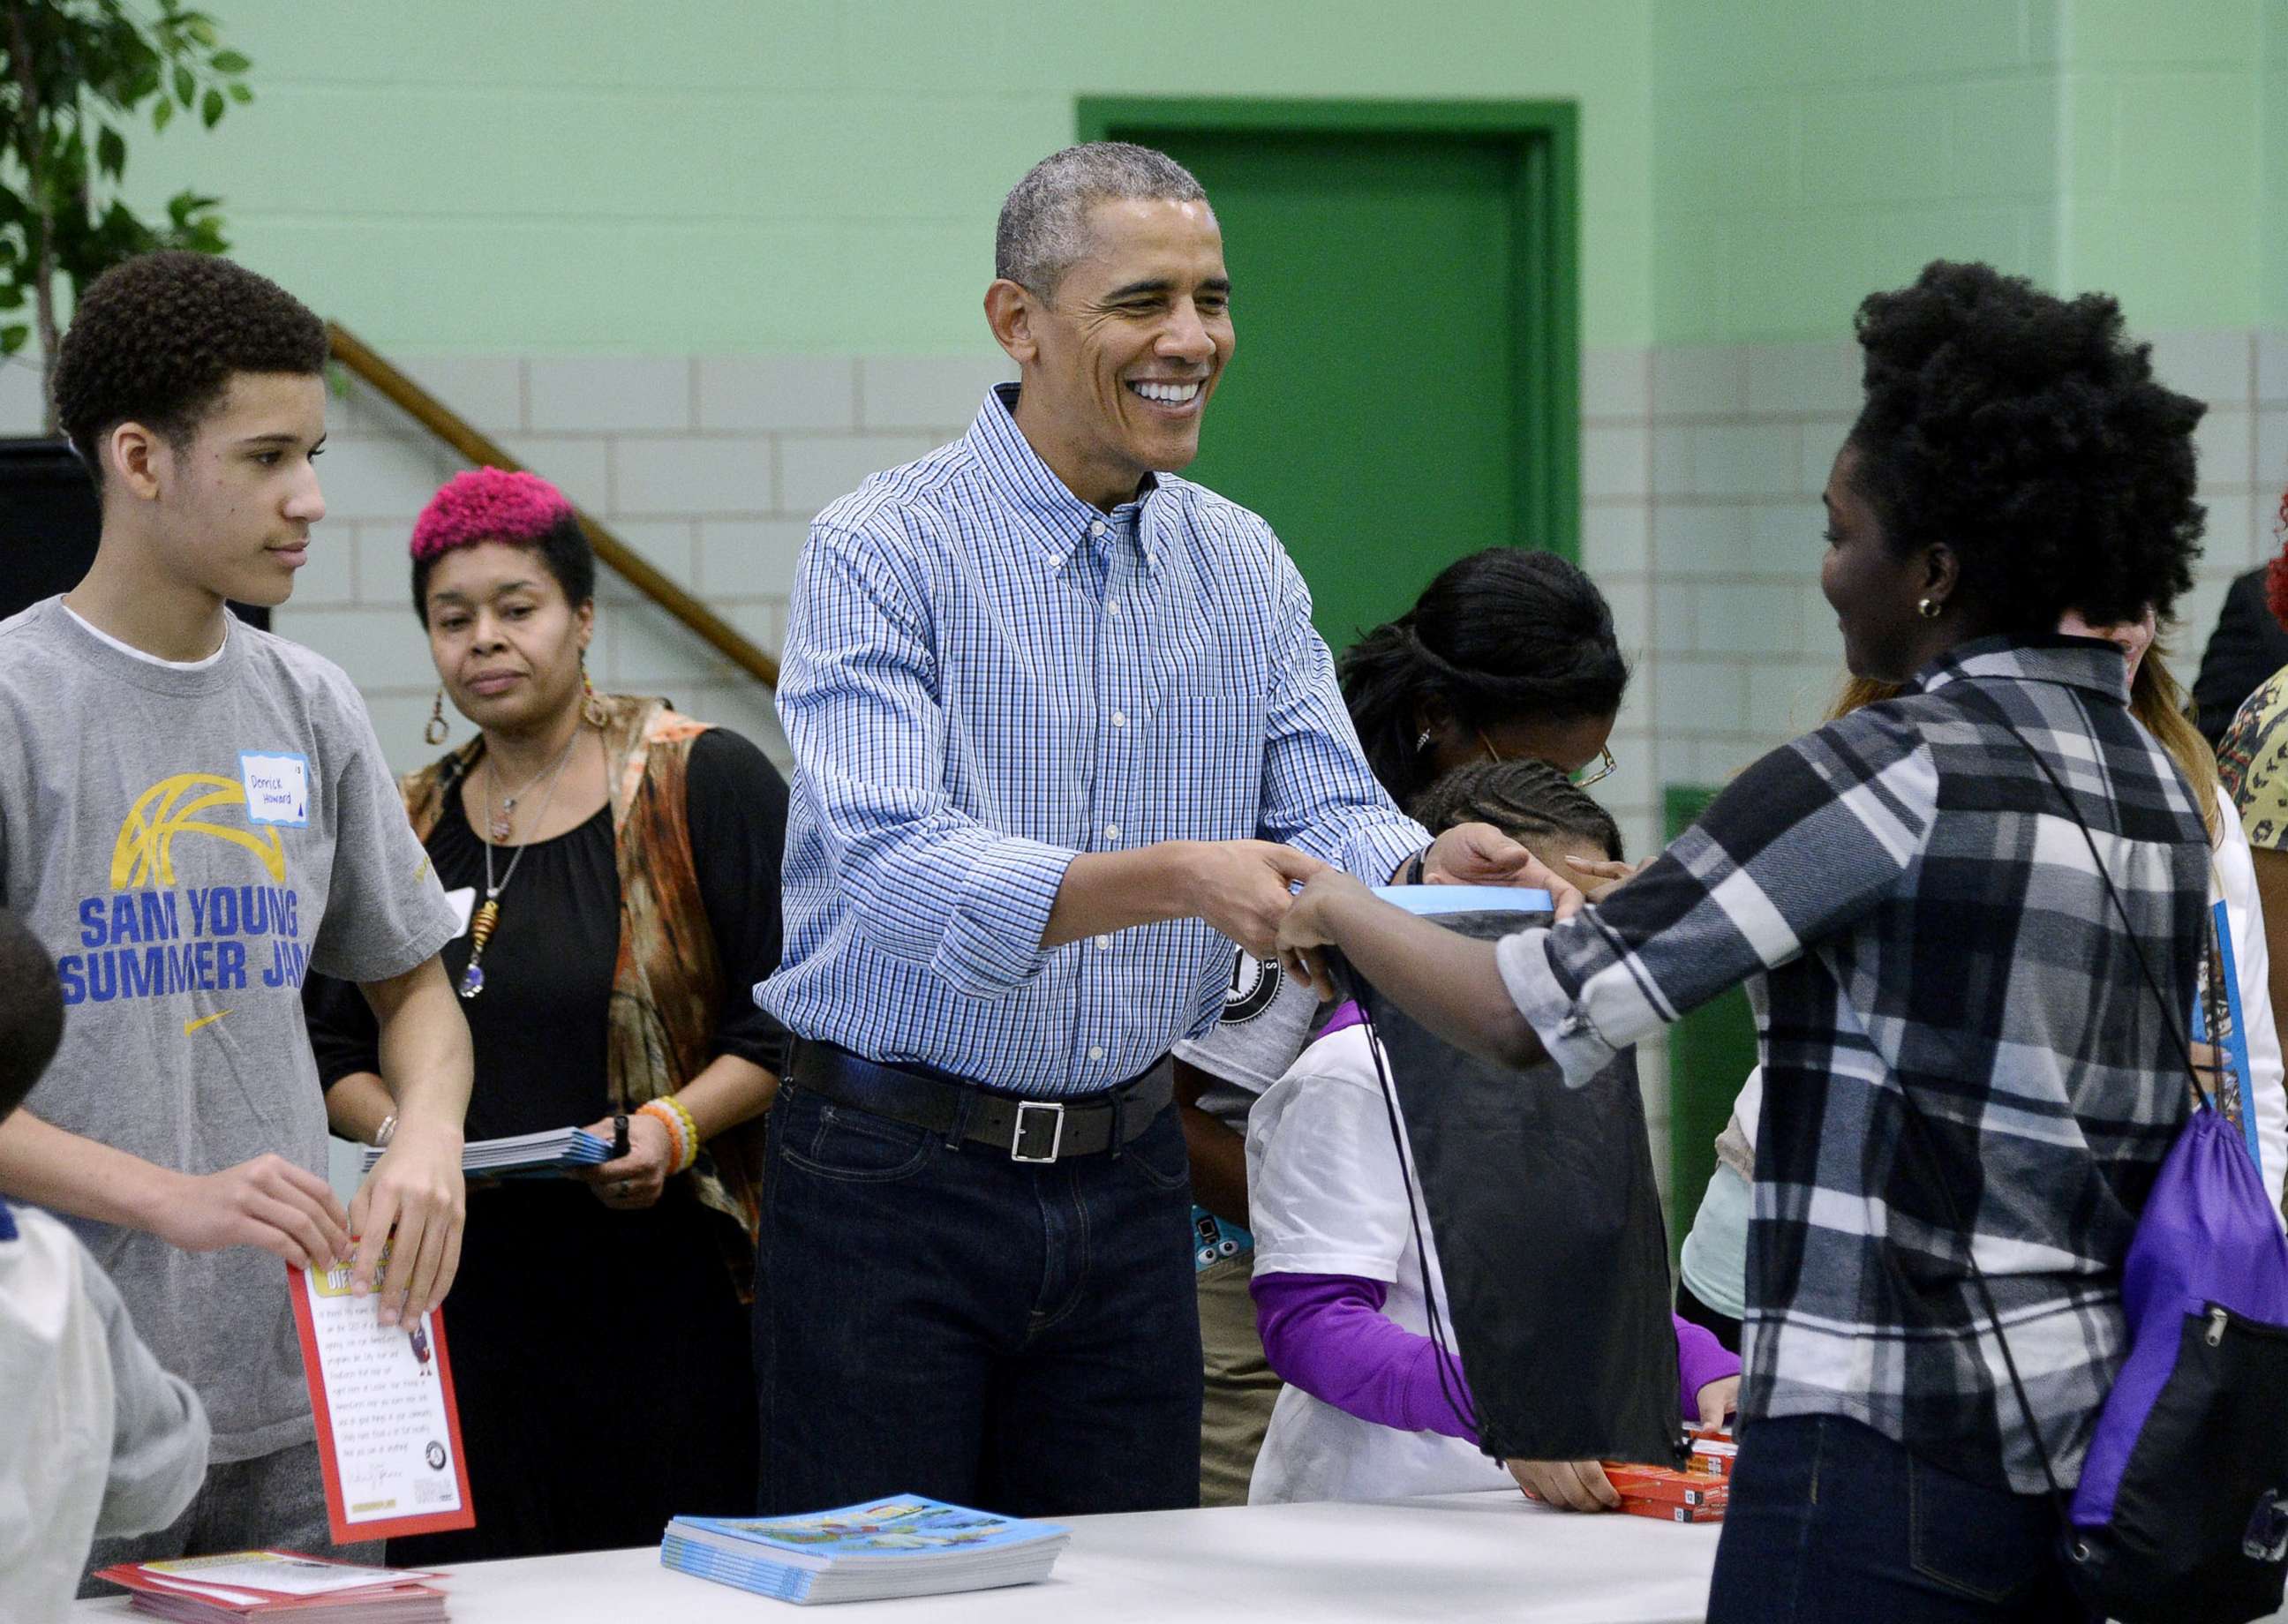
1044, 230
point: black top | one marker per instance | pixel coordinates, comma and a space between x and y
539, 1026
2247, 647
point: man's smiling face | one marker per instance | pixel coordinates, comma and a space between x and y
1128, 348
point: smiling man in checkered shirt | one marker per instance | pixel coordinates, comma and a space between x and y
1928, 922
1063, 733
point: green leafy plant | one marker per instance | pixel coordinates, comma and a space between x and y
75, 76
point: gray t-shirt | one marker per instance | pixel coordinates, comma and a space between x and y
1265, 1023
190, 841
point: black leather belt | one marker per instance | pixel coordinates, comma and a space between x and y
1036, 1130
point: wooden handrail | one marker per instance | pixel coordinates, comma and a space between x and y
447, 425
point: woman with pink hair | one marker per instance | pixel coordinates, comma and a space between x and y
616, 866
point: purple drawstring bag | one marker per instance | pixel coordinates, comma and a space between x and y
2181, 1512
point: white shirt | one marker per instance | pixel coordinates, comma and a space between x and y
98, 1438
1327, 1192
2232, 878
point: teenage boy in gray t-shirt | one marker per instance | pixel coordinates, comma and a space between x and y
195, 814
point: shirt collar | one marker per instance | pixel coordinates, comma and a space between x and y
1059, 520
2077, 662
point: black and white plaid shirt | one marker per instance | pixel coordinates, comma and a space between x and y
1928, 920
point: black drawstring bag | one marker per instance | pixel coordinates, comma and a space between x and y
1548, 1226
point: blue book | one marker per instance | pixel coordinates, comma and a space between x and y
903, 1545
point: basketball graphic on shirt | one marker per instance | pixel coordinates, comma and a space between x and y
212, 921
1254, 985
187, 803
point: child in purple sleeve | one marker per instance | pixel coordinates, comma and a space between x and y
1367, 1412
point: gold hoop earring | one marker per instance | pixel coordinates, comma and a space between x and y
435, 731
592, 703
1930, 608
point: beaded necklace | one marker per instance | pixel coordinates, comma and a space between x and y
480, 928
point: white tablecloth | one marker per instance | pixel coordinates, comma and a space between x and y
1444, 1561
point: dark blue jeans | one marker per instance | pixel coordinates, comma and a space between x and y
937, 1318
1831, 1520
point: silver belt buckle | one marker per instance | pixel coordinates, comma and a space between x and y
1056, 1113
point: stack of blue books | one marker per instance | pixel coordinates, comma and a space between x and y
553, 1150
906, 1545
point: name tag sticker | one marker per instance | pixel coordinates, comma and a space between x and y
277, 787
461, 902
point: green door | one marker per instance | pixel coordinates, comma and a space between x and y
1383, 404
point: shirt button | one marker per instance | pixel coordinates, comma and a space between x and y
1120, 718
1104, 944
1112, 831
1095, 1053
1112, 605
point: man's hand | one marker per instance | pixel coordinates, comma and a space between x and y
1718, 1400
1241, 888
634, 1181
1307, 928
413, 1203
1569, 1486
267, 1202
1480, 854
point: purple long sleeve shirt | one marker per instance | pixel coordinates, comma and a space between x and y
1327, 1335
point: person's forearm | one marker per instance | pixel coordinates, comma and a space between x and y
729, 1090
45, 1166
1104, 892
357, 1105
1219, 1158
425, 1059
1326, 1335
1700, 1359
1448, 982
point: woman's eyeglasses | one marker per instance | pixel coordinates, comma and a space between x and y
1581, 779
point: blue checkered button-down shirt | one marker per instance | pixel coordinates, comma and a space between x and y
985, 676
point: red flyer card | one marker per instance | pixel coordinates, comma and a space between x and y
251, 1584
389, 1433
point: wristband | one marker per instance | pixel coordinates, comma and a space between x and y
1411, 874
682, 1131
690, 1131
382, 1135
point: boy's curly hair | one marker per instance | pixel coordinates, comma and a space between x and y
156, 339
2025, 431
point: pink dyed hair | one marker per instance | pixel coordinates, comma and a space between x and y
488, 505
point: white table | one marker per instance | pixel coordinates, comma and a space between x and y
1451, 1559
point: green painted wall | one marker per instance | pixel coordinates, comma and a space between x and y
1806, 153
796, 176
2162, 182
2273, 158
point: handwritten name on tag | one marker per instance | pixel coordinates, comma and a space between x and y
277, 787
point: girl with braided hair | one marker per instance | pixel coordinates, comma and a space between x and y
1507, 657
